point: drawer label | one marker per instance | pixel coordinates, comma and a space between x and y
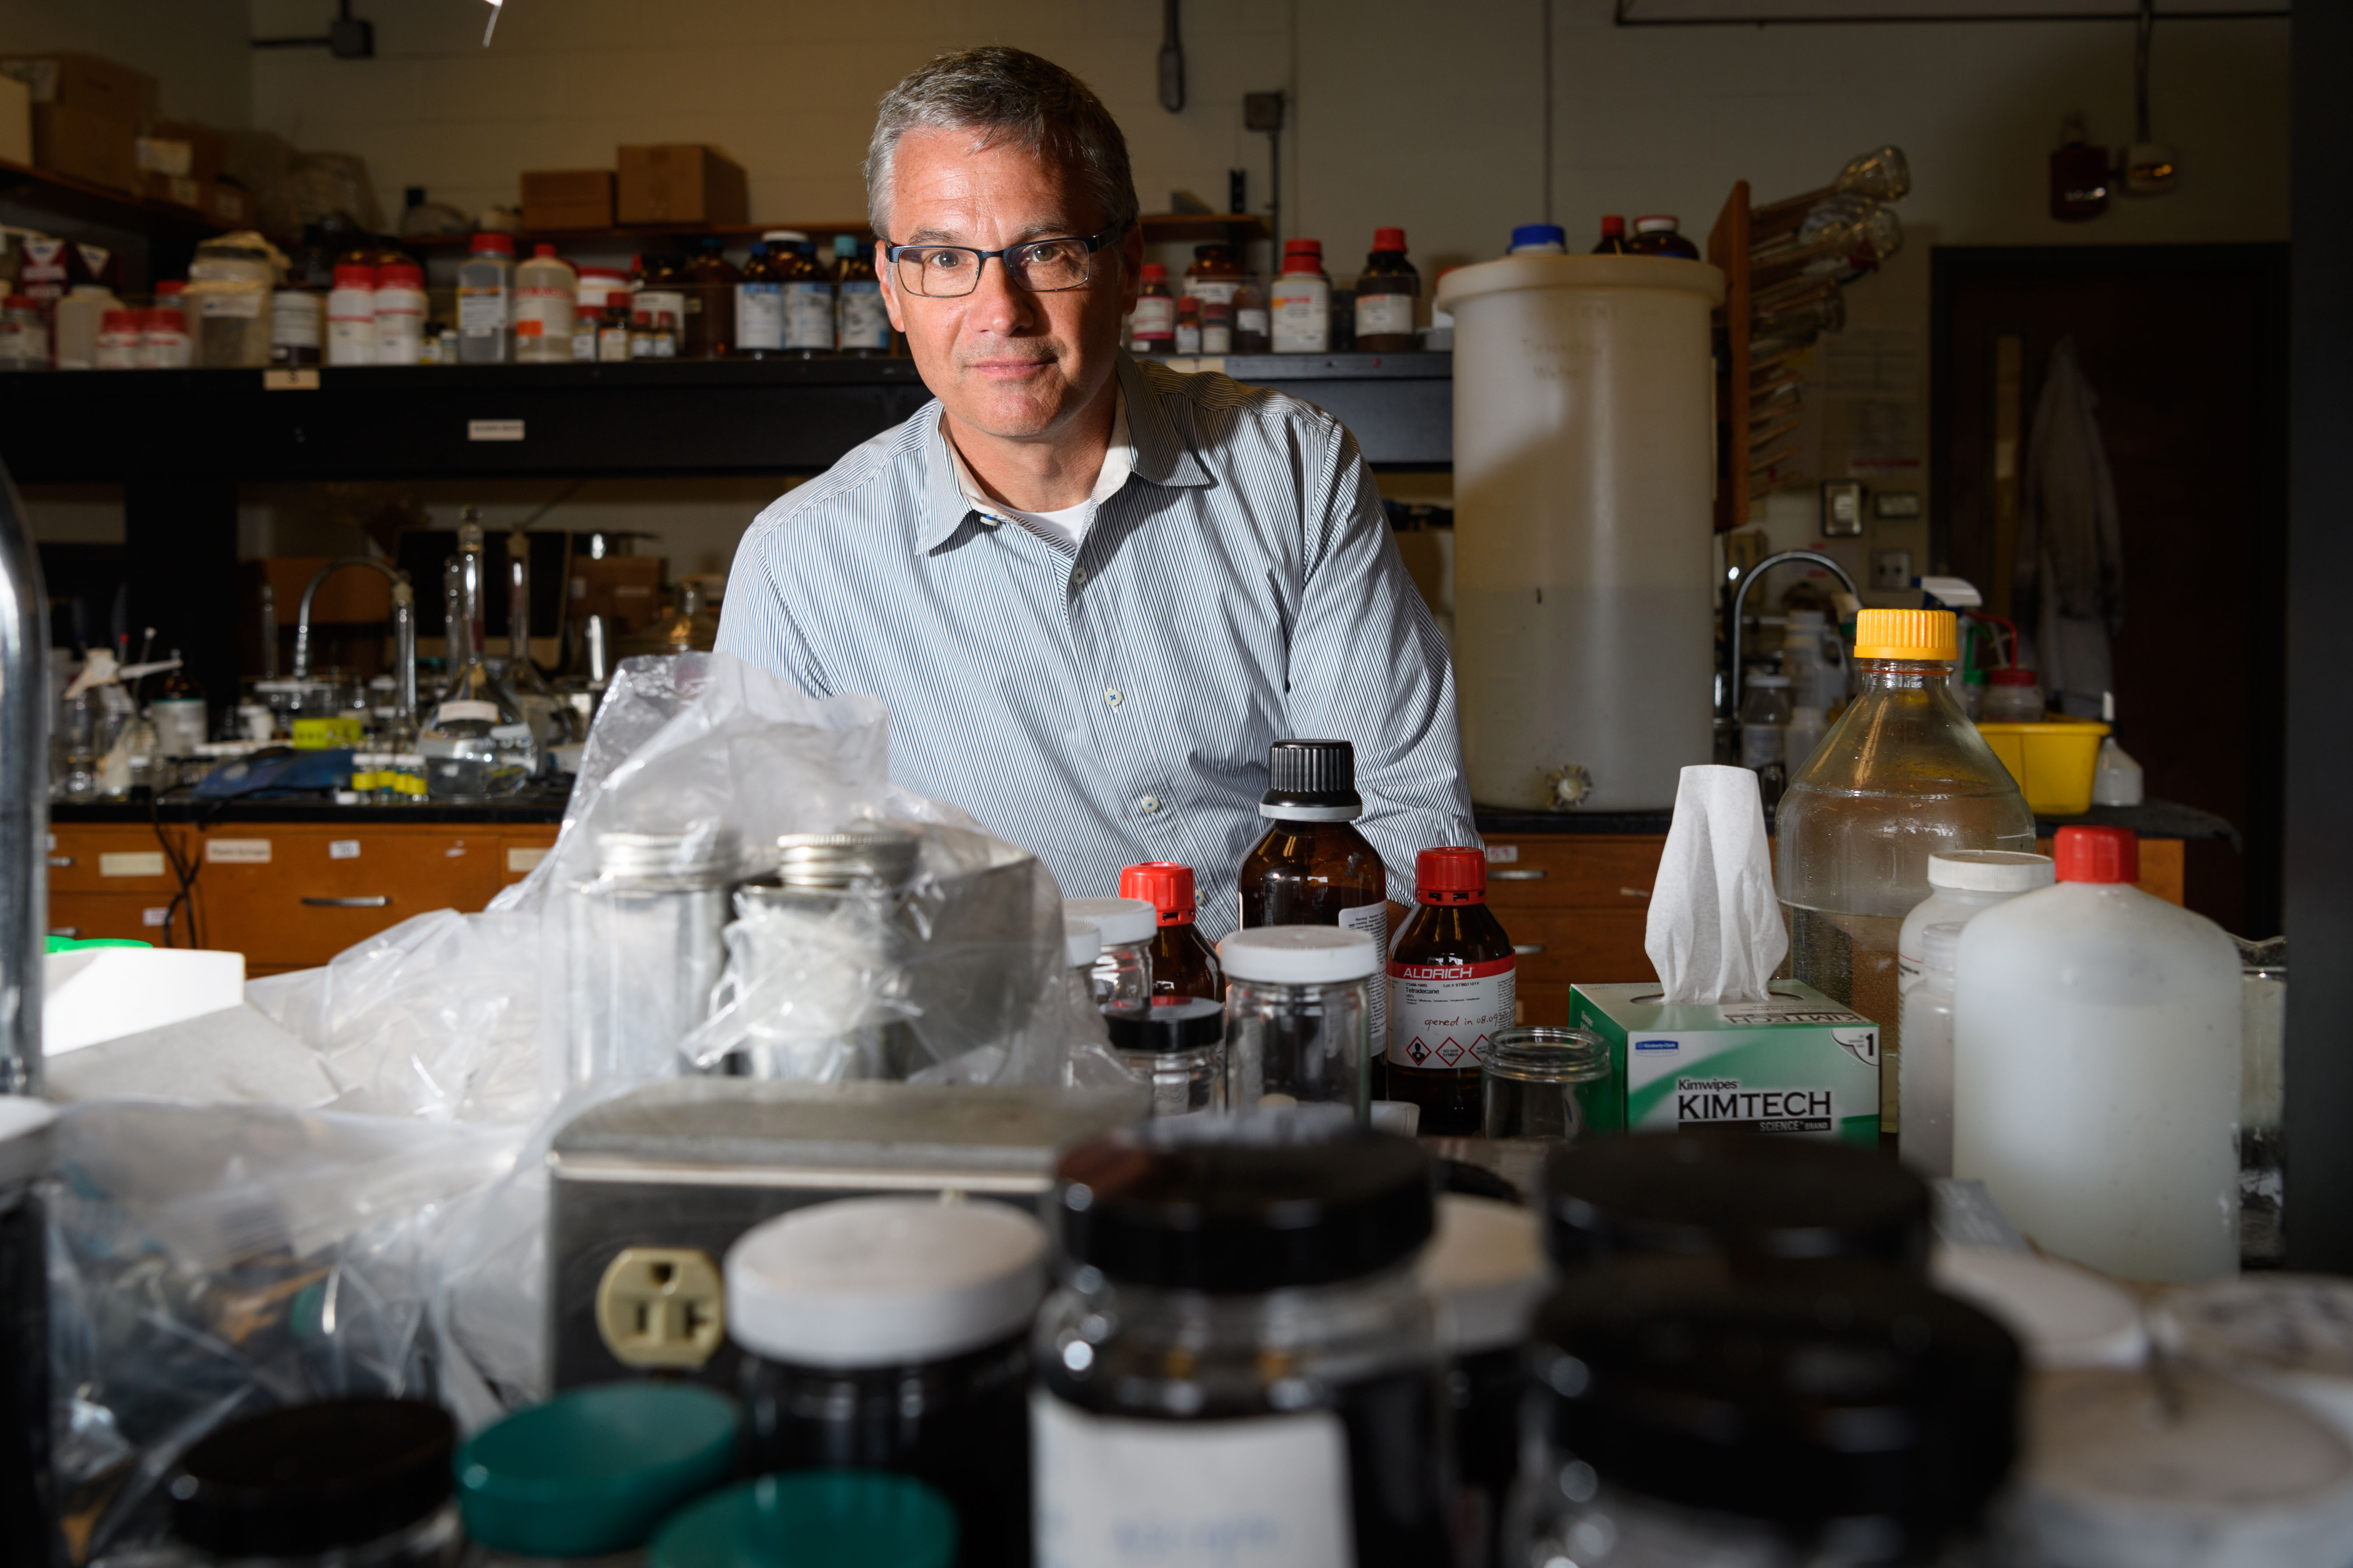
523, 860
236, 851
132, 863
342, 848
154, 916
493, 429
1502, 853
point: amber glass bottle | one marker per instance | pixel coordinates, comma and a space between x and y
1184, 965
1451, 983
1313, 868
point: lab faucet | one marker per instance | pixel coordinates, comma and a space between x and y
1730, 707
24, 795
302, 613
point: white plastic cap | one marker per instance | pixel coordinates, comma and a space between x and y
1991, 870
1487, 1264
1300, 955
1938, 944
866, 1283
1120, 921
1081, 943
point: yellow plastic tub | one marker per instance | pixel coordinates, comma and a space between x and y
2053, 761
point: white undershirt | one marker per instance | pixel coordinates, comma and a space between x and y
1069, 525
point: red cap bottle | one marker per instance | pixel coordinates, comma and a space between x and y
1451, 875
1388, 239
1166, 886
1184, 965
501, 243
2109, 855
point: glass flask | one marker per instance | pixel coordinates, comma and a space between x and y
1901, 776
552, 721
476, 742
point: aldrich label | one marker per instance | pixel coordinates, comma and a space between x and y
1443, 1015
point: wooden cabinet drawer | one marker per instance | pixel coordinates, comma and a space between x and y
1599, 945
322, 889
88, 916
111, 858
520, 852
1571, 871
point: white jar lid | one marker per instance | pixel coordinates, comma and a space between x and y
1119, 919
1081, 943
1991, 870
863, 1282
1300, 955
1487, 1264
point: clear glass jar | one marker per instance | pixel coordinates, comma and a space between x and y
1546, 1083
588, 1476
1901, 776
814, 988
644, 949
1175, 1048
1299, 1017
892, 1333
1687, 1416
1123, 970
344, 1483
1239, 1337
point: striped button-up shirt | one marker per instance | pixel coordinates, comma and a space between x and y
1115, 703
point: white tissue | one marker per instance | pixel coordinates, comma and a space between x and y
1715, 933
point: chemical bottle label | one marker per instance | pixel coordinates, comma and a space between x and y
1256, 1493
1154, 319
1251, 321
481, 312
1374, 921
808, 316
1384, 313
759, 315
1302, 317
1220, 289
865, 323
1444, 1016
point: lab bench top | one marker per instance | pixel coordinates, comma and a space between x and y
2150, 819
535, 809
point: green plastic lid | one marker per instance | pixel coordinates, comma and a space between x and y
813, 1519
595, 1471
69, 944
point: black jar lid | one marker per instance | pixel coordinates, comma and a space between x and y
1166, 1028
1751, 1197
1266, 1199
1847, 1399
1312, 781
313, 1477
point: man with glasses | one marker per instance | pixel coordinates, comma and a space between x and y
1092, 591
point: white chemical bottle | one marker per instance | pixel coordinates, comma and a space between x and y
1961, 883
546, 290
2095, 1068
1924, 1071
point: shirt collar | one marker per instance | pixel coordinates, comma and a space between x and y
1143, 443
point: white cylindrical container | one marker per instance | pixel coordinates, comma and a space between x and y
76, 323
2095, 1068
1924, 1068
1584, 473
1961, 882
545, 287
351, 317
400, 314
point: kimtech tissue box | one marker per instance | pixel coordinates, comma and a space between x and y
1794, 1063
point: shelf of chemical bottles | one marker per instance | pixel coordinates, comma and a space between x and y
1174, 227
67, 197
731, 415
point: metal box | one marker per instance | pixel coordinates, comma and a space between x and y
690, 1165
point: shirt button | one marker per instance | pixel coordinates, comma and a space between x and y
1079, 575
1113, 697
1148, 804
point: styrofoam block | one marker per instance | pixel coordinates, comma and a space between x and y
102, 993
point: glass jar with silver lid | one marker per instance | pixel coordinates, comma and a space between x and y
644, 949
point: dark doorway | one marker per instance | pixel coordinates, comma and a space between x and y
2186, 347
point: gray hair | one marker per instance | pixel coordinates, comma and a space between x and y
1019, 98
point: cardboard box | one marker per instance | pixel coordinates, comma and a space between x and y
681, 184
567, 198
180, 190
228, 203
1795, 1063
81, 145
87, 82
627, 589
15, 121
182, 147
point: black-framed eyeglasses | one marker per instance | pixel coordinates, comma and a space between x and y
1040, 266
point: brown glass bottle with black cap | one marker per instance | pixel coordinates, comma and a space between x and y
1451, 983
1313, 868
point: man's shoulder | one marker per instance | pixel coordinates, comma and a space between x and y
1212, 398
869, 487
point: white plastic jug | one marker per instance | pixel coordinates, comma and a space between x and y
2095, 1068
1584, 584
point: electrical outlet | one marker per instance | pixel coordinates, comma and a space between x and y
1891, 571
661, 1306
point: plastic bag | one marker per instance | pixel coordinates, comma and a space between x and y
209, 1262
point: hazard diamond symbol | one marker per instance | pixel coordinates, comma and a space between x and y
1418, 1051
1450, 1053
